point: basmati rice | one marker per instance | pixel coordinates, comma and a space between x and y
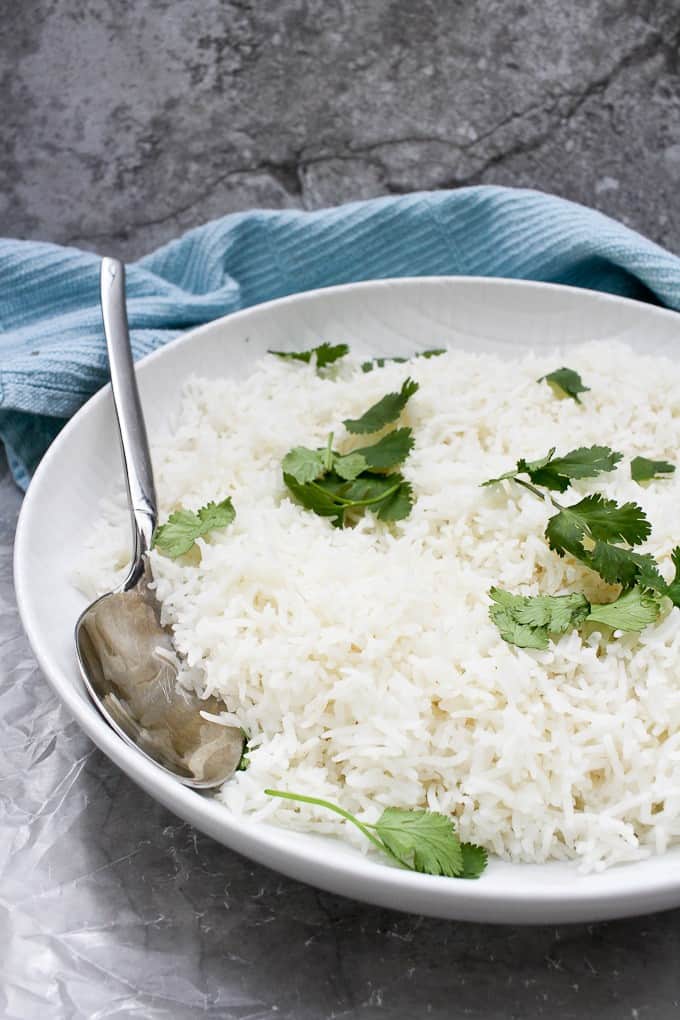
362, 662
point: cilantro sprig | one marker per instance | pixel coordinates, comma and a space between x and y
529, 621
644, 470
325, 354
566, 382
423, 841
368, 366
600, 533
306, 465
596, 519
390, 496
183, 527
336, 485
557, 473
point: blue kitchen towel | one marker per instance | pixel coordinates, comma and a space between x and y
52, 354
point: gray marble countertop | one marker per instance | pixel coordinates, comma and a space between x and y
124, 124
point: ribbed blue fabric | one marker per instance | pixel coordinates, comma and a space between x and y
52, 354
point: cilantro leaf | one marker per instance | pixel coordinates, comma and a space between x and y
648, 575
397, 505
644, 470
585, 462
557, 613
423, 841
369, 489
350, 466
304, 465
520, 634
419, 840
475, 859
528, 620
326, 354
566, 381
618, 565
178, 535
183, 527
433, 352
244, 760
596, 517
557, 473
672, 590
316, 497
333, 484
592, 530
389, 451
368, 366
389, 496
632, 610
384, 411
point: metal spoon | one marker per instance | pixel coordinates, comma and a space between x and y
126, 657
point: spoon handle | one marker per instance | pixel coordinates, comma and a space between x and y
133, 438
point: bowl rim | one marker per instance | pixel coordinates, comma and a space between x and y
595, 896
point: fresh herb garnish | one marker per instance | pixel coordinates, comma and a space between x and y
325, 354
597, 520
389, 451
600, 533
633, 610
567, 382
368, 366
423, 841
593, 531
306, 465
183, 527
244, 760
673, 589
384, 412
557, 473
528, 621
389, 496
334, 484
644, 470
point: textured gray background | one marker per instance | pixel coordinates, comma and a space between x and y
124, 123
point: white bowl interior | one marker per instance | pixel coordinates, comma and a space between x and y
381, 318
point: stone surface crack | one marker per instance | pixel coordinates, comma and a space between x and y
655, 44
638, 54
286, 173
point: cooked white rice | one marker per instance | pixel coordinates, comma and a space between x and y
362, 662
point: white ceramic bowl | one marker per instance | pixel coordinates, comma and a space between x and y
388, 317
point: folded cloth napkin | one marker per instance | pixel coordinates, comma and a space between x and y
52, 354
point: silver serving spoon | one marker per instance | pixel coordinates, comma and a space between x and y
126, 657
